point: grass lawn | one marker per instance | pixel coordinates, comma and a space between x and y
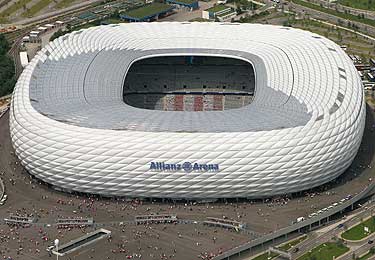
41, 4
217, 8
148, 10
359, 4
325, 251
357, 232
334, 12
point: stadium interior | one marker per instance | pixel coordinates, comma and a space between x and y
189, 83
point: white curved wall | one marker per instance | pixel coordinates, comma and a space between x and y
309, 98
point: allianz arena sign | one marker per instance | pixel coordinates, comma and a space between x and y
186, 167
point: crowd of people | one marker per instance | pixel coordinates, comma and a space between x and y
29, 197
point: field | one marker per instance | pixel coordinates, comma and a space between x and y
357, 232
359, 4
36, 8
148, 10
327, 251
13, 8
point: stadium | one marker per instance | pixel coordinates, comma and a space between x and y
188, 111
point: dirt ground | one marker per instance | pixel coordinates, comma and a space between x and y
164, 241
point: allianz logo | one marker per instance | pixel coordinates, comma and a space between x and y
186, 167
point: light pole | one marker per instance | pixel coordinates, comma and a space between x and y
57, 248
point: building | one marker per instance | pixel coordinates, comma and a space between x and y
59, 23
24, 59
49, 27
189, 4
222, 13
42, 29
72, 124
34, 36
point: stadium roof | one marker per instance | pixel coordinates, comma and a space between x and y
303, 128
280, 101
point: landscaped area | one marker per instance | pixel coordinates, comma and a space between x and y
292, 243
285, 247
326, 251
366, 256
148, 10
355, 44
359, 4
358, 232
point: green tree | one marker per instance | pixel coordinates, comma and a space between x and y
7, 78
57, 35
4, 45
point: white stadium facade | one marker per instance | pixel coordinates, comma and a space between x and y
288, 116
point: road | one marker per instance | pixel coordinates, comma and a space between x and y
361, 214
362, 248
14, 52
366, 29
342, 8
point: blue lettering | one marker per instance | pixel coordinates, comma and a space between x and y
186, 166
153, 166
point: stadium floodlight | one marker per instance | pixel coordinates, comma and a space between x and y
56, 242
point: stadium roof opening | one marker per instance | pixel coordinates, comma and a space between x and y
189, 83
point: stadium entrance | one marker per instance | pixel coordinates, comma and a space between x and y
189, 83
